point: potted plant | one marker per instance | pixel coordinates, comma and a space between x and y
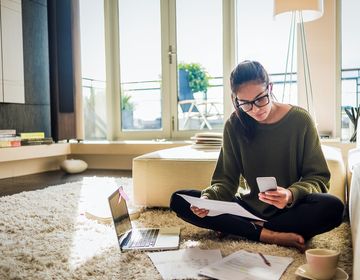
353, 113
198, 78
127, 110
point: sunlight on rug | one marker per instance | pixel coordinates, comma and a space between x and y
85, 246
45, 234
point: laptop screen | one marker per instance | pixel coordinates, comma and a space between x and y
120, 214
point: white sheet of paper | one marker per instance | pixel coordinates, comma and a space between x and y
243, 265
217, 207
183, 263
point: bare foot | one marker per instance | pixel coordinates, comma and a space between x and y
287, 239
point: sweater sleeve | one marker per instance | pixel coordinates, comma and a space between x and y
315, 174
225, 180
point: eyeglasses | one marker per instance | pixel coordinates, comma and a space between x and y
261, 101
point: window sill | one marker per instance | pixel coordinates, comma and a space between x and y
126, 147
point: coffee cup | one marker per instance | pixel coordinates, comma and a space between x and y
322, 263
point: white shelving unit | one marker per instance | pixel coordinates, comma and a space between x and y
24, 160
11, 60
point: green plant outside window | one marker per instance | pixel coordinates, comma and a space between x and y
198, 77
126, 103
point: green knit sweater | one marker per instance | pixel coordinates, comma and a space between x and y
289, 150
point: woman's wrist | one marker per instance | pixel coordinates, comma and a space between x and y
290, 198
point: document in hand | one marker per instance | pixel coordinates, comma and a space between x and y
217, 207
243, 265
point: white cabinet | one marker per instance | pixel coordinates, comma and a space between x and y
12, 62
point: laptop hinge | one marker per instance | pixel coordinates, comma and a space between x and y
123, 240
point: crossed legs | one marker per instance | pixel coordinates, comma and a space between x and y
316, 214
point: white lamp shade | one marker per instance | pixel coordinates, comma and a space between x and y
311, 9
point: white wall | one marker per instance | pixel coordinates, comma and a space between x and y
323, 45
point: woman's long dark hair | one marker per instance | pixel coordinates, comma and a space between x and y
244, 72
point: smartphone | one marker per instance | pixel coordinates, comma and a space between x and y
266, 183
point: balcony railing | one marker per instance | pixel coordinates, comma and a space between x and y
148, 94
350, 90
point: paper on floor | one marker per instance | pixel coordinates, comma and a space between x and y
247, 265
183, 263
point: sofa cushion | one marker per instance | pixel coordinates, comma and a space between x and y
337, 169
353, 159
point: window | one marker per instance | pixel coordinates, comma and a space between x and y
160, 40
265, 39
140, 65
93, 68
200, 65
350, 68
155, 43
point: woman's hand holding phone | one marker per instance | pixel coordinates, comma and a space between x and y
272, 194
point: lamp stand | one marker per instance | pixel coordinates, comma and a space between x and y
298, 22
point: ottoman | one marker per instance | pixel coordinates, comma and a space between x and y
158, 174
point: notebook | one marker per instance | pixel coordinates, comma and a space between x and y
130, 238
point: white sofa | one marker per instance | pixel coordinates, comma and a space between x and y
354, 206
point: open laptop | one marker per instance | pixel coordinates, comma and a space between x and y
139, 238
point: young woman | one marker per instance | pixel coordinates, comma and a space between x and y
266, 138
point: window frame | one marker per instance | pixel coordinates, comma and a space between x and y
169, 104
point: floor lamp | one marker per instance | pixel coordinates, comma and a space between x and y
301, 11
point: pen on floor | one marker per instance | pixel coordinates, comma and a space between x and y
266, 261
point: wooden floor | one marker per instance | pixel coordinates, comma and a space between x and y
14, 185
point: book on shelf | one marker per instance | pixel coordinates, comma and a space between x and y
5, 133
37, 141
32, 135
8, 131
3, 136
7, 142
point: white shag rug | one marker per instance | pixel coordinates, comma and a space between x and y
44, 234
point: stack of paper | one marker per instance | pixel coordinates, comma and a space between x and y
207, 140
247, 265
195, 263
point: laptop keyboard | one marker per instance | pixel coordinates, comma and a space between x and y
143, 238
